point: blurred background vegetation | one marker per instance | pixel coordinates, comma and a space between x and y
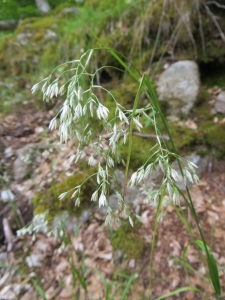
149, 33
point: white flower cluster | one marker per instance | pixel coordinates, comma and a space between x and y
170, 178
75, 120
38, 224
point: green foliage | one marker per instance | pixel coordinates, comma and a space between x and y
209, 134
214, 137
15, 9
140, 151
127, 239
21, 9
184, 138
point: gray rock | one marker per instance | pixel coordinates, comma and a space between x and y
219, 104
24, 38
8, 152
23, 163
7, 196
131, 264
43, 6
50, 34
178, 87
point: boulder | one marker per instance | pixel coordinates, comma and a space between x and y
178, 88
219, 104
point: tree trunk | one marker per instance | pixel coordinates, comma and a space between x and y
43, 6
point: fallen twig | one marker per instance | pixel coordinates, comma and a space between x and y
151, 136
142, 135
8, 234
215, 22
216, 3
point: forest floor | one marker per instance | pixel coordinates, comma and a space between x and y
35, 268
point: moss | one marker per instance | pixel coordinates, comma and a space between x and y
127, 239
140, 151
185, 139
48, 200
59, 9
50, 57
214, 137
36, 23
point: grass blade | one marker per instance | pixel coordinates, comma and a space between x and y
181, 290
127, 287
213, 270
39, 289
79, 277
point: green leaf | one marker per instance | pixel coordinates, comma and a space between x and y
39, 290
127, 287
79, 277
213, 270
186, 288
202, 246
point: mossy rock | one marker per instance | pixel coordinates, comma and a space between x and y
127, 239
48, 200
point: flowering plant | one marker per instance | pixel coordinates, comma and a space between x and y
82, 103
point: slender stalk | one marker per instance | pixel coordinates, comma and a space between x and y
210, 260
130, 133
153, 242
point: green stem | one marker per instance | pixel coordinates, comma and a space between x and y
130, 133
210, 260
153, 241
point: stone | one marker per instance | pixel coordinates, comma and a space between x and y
50, 34
178, 88
23, 163
7, 196
43, 6
131, 264
24, 38
219, 104
8, 152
